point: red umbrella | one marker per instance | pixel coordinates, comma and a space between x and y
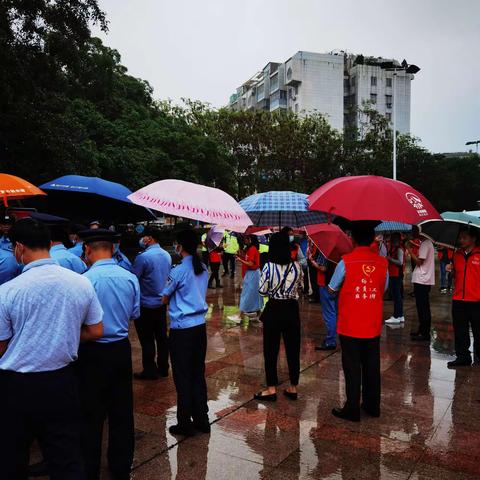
373, 198
330, 240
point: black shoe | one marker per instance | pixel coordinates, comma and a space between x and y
203, 427
146, 376
219, 286
340, 413
232, 276
186, 431
291, 395
460, 363
39, 469
212, 287
371, 412
162, 373
420, 338
325, 347
272, 397
414, 334
313, 300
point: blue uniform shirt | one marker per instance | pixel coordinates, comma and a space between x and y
9, 268
122, 260
5, 243
67, 259
77, 249
152, 268
119, 294
41, 314
187, 293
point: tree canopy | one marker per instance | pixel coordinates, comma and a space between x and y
69, 106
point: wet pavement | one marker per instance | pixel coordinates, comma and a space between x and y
429, 427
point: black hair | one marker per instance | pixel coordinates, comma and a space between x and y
472, 231
189, 241
279, 249
363, 233
151, 232
58, 233
31, 233
286, 230
254, 241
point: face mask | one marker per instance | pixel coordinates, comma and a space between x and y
142, 244
291, 238
177, 248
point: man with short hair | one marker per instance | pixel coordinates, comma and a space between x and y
105, 365
74, 237
152, 268
59, 252
361, 278
466, 297
44, 313
423, 278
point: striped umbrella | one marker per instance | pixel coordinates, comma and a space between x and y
280, 209
392, 227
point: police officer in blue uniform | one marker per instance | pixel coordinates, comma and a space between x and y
74, 237
44, 313
152, 268
105, 365
59, 252
120, 257
9, 267
185, 295
6, 223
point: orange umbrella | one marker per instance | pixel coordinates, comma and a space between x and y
12, 187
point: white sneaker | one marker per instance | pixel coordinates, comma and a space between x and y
235, 318
394, 321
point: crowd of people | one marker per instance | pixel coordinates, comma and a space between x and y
65, 354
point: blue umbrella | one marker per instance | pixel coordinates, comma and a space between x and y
392, 227
89, 197
280, 209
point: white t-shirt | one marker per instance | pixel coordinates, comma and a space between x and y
424, 274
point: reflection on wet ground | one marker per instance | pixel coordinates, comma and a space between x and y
429, 428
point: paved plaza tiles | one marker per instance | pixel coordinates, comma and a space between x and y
429, 427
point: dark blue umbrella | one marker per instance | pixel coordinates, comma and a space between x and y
77, 196
280, 209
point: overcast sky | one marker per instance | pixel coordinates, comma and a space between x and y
204, 49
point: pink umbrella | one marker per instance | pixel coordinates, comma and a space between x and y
190, 200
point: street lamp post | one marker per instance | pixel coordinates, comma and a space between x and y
474, 142
413, 69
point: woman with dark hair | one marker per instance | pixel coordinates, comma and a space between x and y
250, 300
281, 282
185, 294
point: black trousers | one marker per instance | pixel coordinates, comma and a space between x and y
396, 286
466, 315
312, 273
44, 406
215, 275
228, 261
281, 319
361, 368
105, 381
205, 257
188, 348
151, 329
422, 300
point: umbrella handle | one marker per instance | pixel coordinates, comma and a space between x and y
5, 200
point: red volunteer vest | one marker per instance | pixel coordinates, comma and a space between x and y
360, 303
294, 252
467, 276
395, 270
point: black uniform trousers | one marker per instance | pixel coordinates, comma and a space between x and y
281, 318
151, 329
228, 260
44, 406
105, 381
215, 275
361, 368
422, 300
188, 347
466, 315
312, 274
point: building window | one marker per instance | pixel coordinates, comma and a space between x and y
389, 82
389, 116
373, 97
274, 83
388, 101
283, 94
373, 81
289, 73
261, 92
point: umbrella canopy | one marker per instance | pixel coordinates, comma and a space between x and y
393, 227
214, 237
197, 202
331, 240
446, 233
16, 188
280, 209
77, 196
372, 198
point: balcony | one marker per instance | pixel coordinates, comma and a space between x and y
292, 75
